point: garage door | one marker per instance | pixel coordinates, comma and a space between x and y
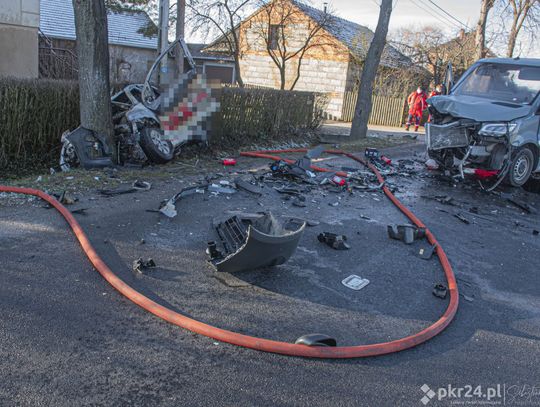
223, 73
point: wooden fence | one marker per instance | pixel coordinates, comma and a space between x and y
385, 111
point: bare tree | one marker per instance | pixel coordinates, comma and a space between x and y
525, 14
425, 48
369, 72
481, 49
93, 56
223, 17
287, 36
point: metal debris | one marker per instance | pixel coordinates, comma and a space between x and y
337, 242
140, 265
406, 233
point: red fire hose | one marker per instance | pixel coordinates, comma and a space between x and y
261, 344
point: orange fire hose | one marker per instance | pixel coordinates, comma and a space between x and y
261, 344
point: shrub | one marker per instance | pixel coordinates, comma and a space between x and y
34, 114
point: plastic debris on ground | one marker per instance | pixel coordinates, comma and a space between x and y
253, 241
140, 265
355, 282
337, 242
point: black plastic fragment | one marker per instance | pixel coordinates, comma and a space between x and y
139, 265
440, 291
316, 340
337, 242
246, 186
426, 251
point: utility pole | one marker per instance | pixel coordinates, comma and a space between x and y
180, 32
163, 41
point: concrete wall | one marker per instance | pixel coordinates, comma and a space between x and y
130, 65
316, 75
19, 22
126, 64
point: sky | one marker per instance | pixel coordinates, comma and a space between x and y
418, 13
407, 13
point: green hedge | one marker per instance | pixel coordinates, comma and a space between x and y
34, 114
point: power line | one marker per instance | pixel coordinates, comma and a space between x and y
431, 12
448, 14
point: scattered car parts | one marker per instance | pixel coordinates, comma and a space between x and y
406, 233
440, 291
140, 265
355, 282
252, 242
316, 340
337, 242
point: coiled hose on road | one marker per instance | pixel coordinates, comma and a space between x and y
252, 342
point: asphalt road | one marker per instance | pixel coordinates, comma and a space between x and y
68, 339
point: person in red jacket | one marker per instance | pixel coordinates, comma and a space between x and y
417, 105
435, 92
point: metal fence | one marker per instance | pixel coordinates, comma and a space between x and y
385, 111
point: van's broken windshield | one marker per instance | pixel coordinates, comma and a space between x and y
502, 82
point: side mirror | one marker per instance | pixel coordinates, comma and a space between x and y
448, 79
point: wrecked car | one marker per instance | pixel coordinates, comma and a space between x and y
149, 126
488, 123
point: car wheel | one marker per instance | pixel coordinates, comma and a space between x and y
156, 149
521, 167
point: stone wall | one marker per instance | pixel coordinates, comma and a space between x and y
316, 75
19, 22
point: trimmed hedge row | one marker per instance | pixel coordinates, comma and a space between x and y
33, 116
35, 113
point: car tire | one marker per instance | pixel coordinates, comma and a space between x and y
157, 150
521, 167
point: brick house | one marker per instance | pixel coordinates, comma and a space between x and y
332, 66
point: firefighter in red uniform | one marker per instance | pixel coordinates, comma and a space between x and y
435, 92
417, 105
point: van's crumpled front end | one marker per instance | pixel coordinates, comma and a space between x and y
455, 141
488, 122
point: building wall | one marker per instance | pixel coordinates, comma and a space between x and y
324, 66
126, 64
130, 65
316, 75
19, 22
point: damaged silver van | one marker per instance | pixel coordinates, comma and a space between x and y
489, 121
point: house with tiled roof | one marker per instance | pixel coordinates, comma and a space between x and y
132, 50
332, 67
132, 46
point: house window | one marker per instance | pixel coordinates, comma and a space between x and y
274, 35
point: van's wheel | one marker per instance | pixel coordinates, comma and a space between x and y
521, 167
156, 149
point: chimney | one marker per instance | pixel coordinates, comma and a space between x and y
462, 34
325, 7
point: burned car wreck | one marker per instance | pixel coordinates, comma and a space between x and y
488, 124
150, 124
